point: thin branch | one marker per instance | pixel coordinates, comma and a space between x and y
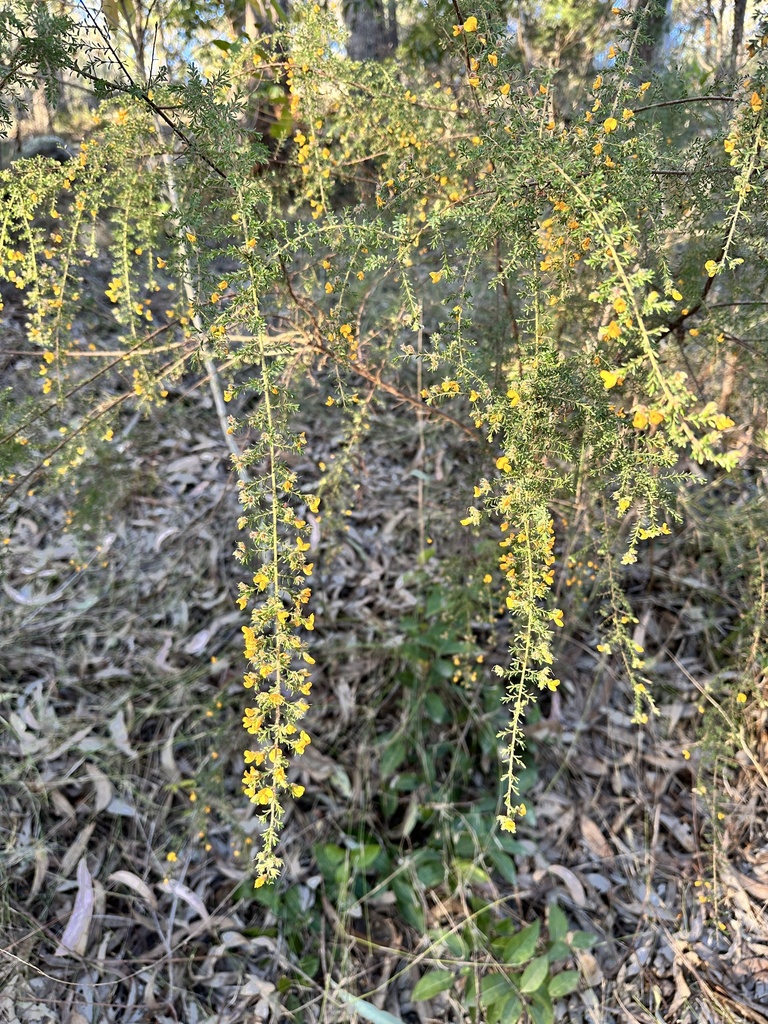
688, 99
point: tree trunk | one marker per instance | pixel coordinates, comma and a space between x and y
372, 29
739, 10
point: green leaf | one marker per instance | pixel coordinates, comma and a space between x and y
431, 984
408, 903
392, 757
521, 947
435, 707
558, 951
563, 984
367, 1010
583, 940
363, 857
511, 1010
469, 872
558, 923
310, 965
540, 1010
504, 865
429, 868
493, 988
455, 945
222, 44
534, 974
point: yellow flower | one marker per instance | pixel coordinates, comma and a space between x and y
640, 420
487, 578
644, 87
457, 30
506, 824
171, 857
504, 464
597, 83
729, 145
610, 124
627, 114
301, 743
504, 90
610, 379
328, 287
470, 25
656, 416
473, 81
514, 397
493, 59
620, 305
676, 295
741, 698
711, 268
687, 754
556, 615
755, 102
435, 275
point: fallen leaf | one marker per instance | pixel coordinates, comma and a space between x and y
103, 787
137, 884
183, 892
75, 937
594, 838
574, 886
76, 850
119, 734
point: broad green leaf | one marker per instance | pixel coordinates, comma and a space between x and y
534, 974
558, 951
540, 1010
429, 868
558, 923
435, 707
363, 857
504, 865
456, 946
391, 758
521, 947
408, 903
431, 984
469, 872
583, 940
511, 1010
563, 984
493, 988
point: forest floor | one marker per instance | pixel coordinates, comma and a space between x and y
121, 744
